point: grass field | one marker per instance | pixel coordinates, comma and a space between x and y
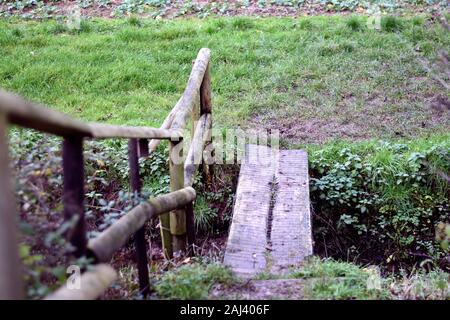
314, 78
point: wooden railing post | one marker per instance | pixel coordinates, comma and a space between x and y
73, 192
177, 226
139, 236
178, 216
205, 93
206, 107
189, 209
10, 267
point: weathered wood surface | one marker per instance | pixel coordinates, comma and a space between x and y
73, 192
140, 244
246, 247
10, 266
35, 116
195, 153
177, 217
271, 226
205, 93
113, 238
196, 100
104, 131
192, 91
92, 284
177, 118
291, 238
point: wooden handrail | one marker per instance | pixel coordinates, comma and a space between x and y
109, 241
92, 284
102, 131
194, 157
185, 104
10, 276
35, 116
175, 209
192, 91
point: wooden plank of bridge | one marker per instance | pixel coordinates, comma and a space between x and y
271, 226
291, 239
246, 247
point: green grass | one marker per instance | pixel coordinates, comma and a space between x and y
336, 280
192, 281
277, 72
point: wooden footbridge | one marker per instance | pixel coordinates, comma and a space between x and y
271, 228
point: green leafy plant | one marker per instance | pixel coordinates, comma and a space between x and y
381, 202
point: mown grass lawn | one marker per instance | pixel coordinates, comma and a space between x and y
313, 78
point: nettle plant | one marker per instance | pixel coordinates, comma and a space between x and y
381, 202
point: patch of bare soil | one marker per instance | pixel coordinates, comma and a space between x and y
200, 8
286, 289
374, 116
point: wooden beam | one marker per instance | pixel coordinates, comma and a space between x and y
92, 284
139, 237
73, 192
180, 112
114, 237
10, 266
166, 125
34, 116
104, 131
190, 226
177, 216
205, 93
206, 107
192, 89
194, 157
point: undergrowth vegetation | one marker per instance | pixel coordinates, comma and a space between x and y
382, 202
330, 279
193, 281
37, 170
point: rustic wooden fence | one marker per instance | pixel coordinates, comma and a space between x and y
175, 210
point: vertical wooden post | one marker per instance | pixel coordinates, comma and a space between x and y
143, 148
206, 107
205, 93
139, 236
73, 192
10, 268
189, 209
164, 226
177, 217
190, 226
166, 236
